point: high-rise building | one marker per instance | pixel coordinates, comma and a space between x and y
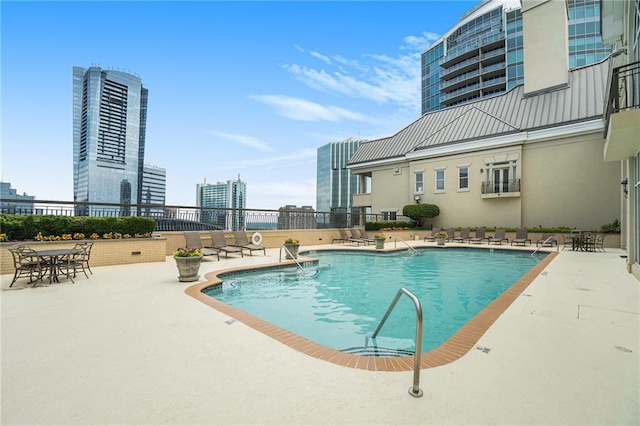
335, 184
483, 54
109, 125
223, 203
154, 183
293, 217
14, 203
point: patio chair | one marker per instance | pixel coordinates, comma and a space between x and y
567, 241
355, 237
451, 234
522, 237
344, 237
218, 242
362, 234
27, 263
464, 236
599, 242
498, 237
76, 260
432, 237
479, 236
243, 242
193, 241
547, 240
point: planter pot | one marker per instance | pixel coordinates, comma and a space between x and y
380, 243
188, 268
292, 251
440, 241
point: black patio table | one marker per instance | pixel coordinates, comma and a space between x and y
53, 258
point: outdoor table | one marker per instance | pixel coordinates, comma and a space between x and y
53, 257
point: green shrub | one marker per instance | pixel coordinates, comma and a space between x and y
376, 226
421, 212
27, 227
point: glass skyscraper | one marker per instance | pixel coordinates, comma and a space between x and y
219, 198
335, 184
109, 125
483, 54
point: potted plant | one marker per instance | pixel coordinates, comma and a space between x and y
380, 239
441, 236
188, 263
292, 245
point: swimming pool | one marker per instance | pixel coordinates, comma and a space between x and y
341, 305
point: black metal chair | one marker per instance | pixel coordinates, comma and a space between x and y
27, 263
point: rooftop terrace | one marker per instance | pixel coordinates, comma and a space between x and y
129, 346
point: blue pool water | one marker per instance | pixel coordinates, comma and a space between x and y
343, 303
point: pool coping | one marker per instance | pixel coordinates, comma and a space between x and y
458, 345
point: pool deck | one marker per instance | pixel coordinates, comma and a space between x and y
129, 346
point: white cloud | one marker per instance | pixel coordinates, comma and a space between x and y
245, 140
270, 162
421, 42
304, 110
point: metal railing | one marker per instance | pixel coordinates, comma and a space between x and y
624, 93
186, 218
415, 389
406, 244
499, 187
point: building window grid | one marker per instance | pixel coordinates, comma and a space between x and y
419, 182
439, 180
463, 178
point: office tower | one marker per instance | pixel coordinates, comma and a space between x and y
483, 54
109, 125
14, 203
293, 217
223, 203
153, 190
336, 184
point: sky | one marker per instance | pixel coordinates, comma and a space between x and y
248, 89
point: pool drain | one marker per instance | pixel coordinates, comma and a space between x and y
623, 349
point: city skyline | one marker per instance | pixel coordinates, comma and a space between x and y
235, 87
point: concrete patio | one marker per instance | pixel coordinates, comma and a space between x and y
128, 346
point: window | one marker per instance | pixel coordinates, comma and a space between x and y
419, 182
440, 180
389, 216
463, 178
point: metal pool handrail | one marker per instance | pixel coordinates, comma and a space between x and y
292, 256
406, 244
415, 389
542, 245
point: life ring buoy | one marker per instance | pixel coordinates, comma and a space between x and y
256, 238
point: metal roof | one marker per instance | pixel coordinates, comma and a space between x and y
512, 112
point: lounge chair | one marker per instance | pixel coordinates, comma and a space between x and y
219, 242
498, 237
464, 236
193, 241
243, 242
344, 237
355, 236
432, 237
547, 240
480, 236
522, 237
451, 234
362, 235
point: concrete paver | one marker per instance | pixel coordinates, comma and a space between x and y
128, 346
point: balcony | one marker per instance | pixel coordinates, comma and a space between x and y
501, 189
622, 115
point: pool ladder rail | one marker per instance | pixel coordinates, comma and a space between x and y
414, 390
416, 252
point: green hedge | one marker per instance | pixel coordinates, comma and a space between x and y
27, 227
376, 226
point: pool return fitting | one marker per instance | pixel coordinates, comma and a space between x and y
414, 390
